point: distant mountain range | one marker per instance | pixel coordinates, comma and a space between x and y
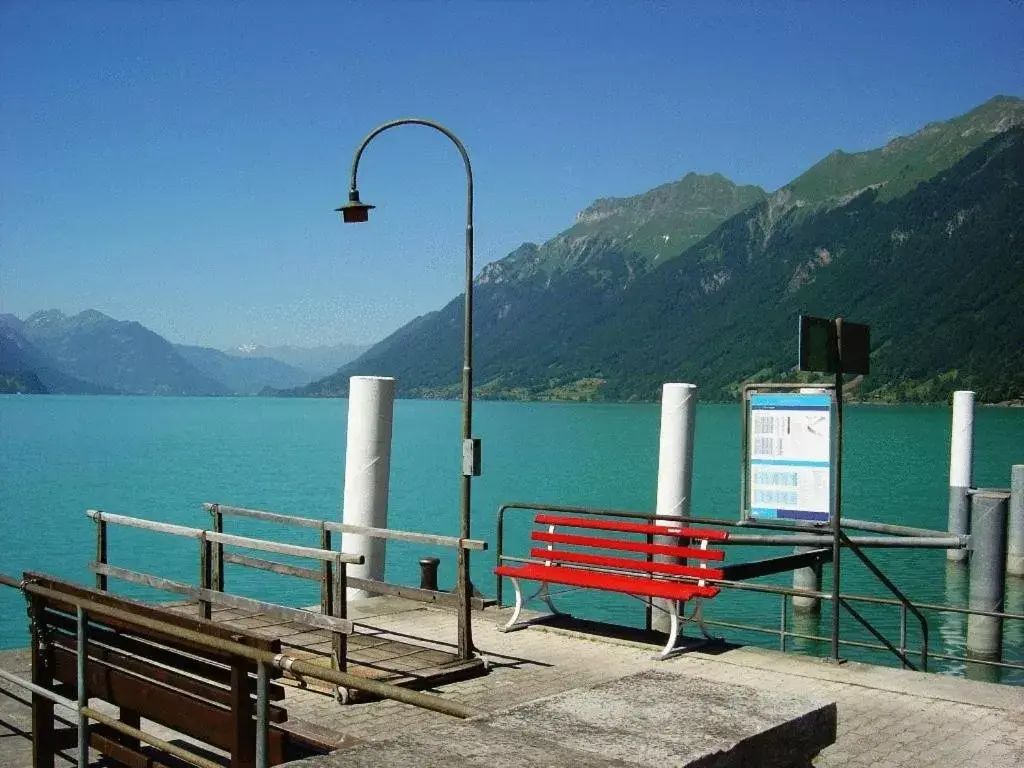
319, 361
702, 281
91, 353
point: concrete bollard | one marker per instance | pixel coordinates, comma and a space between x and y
1015, 533
988, 573
371, 403
961, 464
806, 578
675, 465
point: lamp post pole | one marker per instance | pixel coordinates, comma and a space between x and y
356, 211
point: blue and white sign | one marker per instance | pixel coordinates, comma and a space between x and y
790, 456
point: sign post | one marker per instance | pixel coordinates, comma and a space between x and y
832, 346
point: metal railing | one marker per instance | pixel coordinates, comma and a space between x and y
910, 538
326, 528
332, 575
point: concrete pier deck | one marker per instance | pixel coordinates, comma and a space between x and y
886, 717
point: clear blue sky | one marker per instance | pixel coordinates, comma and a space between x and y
177, 163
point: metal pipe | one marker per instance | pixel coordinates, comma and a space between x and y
81, 655
837, 499
470, 469
889, 528
262, 715
279, 661
364, 530
163, 746
903, 599
38, 690
820, 540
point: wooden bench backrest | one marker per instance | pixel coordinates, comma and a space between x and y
189, 687
601, 546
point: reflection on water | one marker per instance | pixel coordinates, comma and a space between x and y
1013, 631
808, 623
983, 673
953, 626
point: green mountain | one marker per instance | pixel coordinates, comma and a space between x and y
904, 162
921, 239
618, 238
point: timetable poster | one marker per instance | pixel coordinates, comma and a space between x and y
790, 459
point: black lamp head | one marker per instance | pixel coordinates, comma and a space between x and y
355, 211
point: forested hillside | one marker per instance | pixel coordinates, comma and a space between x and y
921, 239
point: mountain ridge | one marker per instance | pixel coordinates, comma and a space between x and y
547, 331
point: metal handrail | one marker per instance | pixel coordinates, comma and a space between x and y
363, 530
922, 538
904, 601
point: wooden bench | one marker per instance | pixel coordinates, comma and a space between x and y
188, 687
602, 562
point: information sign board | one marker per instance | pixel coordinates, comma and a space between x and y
790, 456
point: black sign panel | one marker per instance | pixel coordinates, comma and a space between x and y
819, 351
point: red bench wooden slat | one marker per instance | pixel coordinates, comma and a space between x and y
669, 569
622, 527
627, 546
634, 585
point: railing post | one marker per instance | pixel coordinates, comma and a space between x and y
218, 549
782, 623
649, 602
499, 550
326, 575
101, 552
205, 573
903, 633
339, 640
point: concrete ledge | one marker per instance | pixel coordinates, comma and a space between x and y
653, 718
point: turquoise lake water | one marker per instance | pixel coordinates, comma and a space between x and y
161, 458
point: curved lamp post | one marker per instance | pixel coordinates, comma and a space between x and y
356, 211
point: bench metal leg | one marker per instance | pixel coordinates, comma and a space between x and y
673, 632
543, 593
518, 608
678, 619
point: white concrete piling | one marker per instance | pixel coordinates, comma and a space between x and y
961, 466
988, 573
806, 578
371, 402
1015, 533
675, 464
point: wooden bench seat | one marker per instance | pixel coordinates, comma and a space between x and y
599, 562
191, 688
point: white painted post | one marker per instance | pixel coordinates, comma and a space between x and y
961, 465
371, 404
675, 465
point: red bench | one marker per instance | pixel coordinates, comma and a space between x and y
584, 560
